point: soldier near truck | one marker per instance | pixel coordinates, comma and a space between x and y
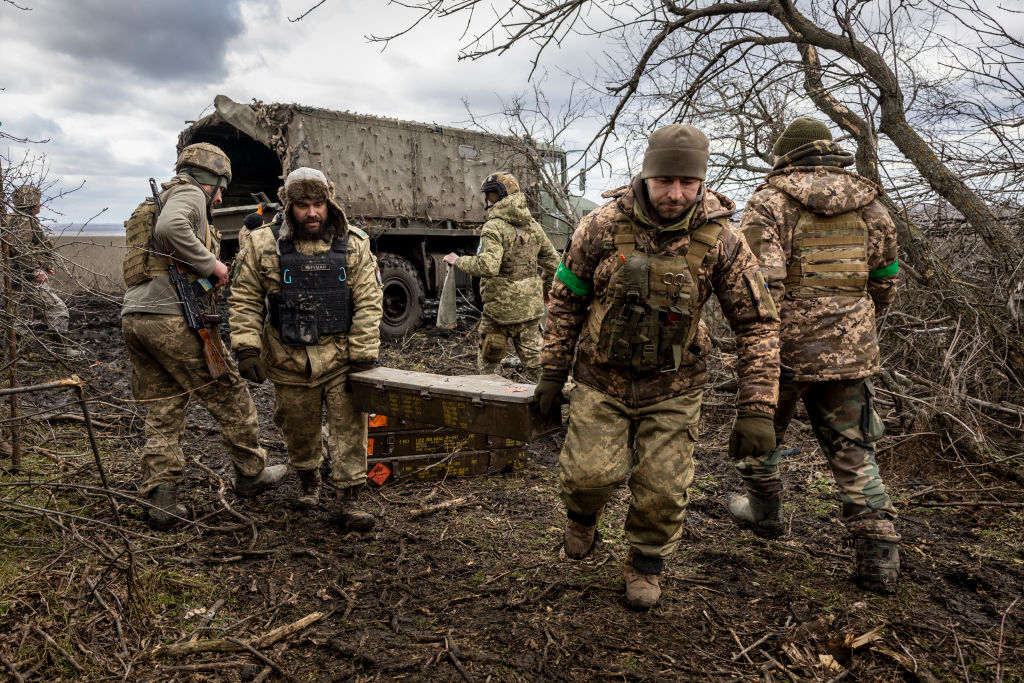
827, 247
513, 247
626, 305
305, 313
166, 356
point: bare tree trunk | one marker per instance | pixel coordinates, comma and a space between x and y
12, 351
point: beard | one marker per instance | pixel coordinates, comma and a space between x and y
321, 232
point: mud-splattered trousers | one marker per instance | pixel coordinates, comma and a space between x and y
167, 370
844, 421
651, 446
527, 338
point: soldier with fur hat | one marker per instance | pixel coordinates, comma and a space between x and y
166, 356
827, 247
625, 320
512, 246
320, 279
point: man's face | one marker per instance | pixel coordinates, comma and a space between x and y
36, 209
309, 216
214, 193
671, 196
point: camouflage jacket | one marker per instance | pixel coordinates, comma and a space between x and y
30, 248
512, 245
828, 337
259, 273
729, 271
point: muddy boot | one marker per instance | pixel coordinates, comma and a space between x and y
268, 478
641, 574
876, 564
759, 513
166, 509
580, 535
309, 495
350, 516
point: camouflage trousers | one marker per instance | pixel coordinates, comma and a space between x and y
650, 447
42, 298
298, 413
527, 337
167, 370
844, 421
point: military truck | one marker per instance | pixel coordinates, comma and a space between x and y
414, 187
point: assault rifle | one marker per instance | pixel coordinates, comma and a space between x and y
190, 294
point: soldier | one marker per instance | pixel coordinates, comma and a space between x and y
252, 221
827, 247
512, 245
166, 356
32, 259
325, 307
630, 289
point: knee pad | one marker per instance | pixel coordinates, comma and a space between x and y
492, 347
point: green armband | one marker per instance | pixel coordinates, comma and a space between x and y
576, 285
885, 271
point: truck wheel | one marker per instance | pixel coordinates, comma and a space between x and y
403, 296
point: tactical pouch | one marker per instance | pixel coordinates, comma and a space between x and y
296, 318
492, 347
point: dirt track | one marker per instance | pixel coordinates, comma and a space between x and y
477, 591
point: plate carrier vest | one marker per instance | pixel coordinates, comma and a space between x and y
651, 310
314, 299
829, 256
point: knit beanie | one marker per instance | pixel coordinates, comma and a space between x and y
676, 151
798, 133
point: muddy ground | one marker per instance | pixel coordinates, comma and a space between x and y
477, 591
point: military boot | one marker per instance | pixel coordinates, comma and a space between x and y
309, 481
350, 516
581, 534
268, 478
166, 509
760, 513
876, 564
641, 574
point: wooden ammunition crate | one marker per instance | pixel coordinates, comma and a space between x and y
383, 423
480, 404
408, 468
440, 440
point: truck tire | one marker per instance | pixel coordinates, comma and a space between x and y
403, 296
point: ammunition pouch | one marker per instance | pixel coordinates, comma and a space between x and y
651, 309
492, 347
314, 299
829, 256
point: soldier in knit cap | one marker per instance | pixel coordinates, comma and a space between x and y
827, 248
626, 305
320, 279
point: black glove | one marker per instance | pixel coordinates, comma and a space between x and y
354, 367
250, 366
548, 391
753, 433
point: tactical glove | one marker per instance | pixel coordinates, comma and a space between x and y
354, 367
548, 391
250, 366
753, 434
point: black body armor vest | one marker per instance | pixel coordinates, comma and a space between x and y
315, 298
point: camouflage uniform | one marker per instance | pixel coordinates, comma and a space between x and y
512, 245
31, 252
167, 361
657, 410
829, 346
308, 377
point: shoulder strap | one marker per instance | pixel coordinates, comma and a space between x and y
283, 246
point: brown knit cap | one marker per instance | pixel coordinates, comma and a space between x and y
676, 151
798, 133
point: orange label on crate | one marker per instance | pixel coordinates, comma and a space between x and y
377, 421
379, 474
369, 446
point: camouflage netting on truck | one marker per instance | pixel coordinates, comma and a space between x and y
382, 168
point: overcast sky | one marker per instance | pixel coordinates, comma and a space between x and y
110, 83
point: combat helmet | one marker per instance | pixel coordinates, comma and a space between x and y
502, 183
26, 197
207, 157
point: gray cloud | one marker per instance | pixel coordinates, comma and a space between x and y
155, 40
